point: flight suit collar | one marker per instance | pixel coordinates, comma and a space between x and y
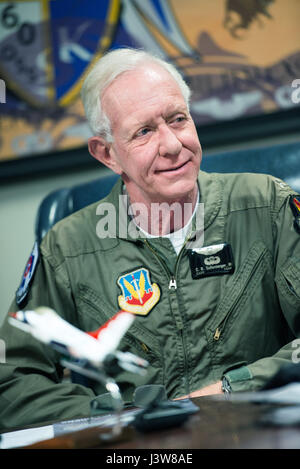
211, 195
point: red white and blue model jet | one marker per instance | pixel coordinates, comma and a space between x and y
96, 350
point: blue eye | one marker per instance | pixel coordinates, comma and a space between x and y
180, 119
143, 132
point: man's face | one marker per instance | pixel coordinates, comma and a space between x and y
155, 144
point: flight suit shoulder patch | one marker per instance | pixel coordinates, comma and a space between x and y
295, 206
28, 275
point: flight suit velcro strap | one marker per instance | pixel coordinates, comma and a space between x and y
237, 377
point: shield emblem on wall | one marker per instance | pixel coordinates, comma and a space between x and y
46, 46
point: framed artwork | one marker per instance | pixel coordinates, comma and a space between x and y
241, 59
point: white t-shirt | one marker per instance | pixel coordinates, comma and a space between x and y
177, 238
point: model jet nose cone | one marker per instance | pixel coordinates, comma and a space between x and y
13, 315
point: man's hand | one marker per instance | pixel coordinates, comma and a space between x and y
215, 388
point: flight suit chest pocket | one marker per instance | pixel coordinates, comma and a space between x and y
237, 298
93, 312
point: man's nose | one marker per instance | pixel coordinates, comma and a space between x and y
169, 144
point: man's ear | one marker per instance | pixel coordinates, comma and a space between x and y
101, 150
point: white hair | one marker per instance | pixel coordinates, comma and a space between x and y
107, 69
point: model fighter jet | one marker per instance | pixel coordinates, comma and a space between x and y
87, 353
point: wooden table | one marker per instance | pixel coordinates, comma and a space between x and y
219, 424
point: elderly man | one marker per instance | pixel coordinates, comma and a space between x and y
214, 315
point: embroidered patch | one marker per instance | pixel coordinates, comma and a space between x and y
139, 296
28, 275
295, 206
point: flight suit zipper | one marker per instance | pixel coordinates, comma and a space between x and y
172, 283
171, 277
173, 290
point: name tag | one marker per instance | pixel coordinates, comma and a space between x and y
211, 260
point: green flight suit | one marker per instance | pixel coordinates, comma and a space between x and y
242, 323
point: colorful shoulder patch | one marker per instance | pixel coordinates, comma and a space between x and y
295, 206
139, 296
28, 274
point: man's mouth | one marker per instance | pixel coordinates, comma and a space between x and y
176, 168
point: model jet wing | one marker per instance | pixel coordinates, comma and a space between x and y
47, 326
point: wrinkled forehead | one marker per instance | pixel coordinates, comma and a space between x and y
141, 95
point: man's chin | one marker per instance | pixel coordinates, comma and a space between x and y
178, 191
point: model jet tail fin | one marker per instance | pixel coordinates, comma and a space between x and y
110, 334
